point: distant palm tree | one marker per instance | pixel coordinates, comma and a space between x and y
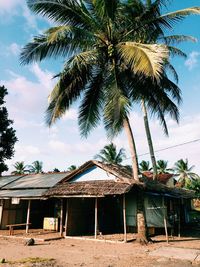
144, 166
162, 166
36, 167
184, 172
72, 168
110, 155
20, 168
56, 170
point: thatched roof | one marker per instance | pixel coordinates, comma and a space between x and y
90, 188
121, 185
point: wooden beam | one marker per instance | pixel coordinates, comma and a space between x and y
66, 216
95, 219
165, 221
61, 217
28, 216
179, 219
124, 217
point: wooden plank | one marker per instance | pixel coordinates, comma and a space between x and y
95, 219
124, 217
28, 216
61, 218
66, 217
165, 221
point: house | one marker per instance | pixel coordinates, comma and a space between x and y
100, 198
22, 200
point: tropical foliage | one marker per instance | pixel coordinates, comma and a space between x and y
7, 133
72, 168
184, 172
144, 166
56, 170
20, 168
110, 155
36, 167
194, 185
162, 167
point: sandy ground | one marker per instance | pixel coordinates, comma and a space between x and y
71, 252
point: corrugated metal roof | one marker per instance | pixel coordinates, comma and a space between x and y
26, 193
4, 180
36, 181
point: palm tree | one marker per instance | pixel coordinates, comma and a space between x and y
56, 170
162, 166
110, 155
102, 46
36, 167
20, 168
95, 39
151, 33
144, 166
72, 168
184, 172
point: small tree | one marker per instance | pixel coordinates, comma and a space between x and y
36, 167
162, 166
7, 133
184, 172
110, 155
144, 166
72, 168
56, 170
20, 168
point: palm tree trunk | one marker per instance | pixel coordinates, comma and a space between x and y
149, 139
141, 221
132, 146
142, 235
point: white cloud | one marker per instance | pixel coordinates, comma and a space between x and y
44, 77
71, 114
14, 49
192, 60
7, 6
60, 147
32, 96
187, 130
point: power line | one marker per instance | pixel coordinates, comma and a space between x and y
169, 147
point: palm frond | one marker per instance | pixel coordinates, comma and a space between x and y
65, 12
169, 67
61, 41
72, 81
91, 105
174, 51
144, 59
176, 39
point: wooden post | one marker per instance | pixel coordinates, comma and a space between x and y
61, 217
165, 222
95, 219
66, 217
179, 220
28, 216
124, 217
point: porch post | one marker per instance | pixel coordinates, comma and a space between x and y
95, 219
61, 217
28, 216
179, 218
124, 217
165, 221
66, 216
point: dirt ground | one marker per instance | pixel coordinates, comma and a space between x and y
71, 252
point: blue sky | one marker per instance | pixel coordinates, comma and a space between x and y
61, 146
